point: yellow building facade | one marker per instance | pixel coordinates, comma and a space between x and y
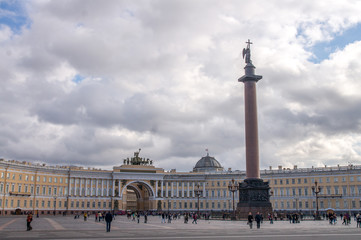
138, 185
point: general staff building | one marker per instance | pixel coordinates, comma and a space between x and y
138, 185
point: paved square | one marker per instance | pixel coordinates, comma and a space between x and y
59, 227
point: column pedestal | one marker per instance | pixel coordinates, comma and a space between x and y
253, 197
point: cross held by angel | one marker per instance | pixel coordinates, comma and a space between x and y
247, 52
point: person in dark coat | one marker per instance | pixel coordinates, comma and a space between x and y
250, 220
108, 220
258, 219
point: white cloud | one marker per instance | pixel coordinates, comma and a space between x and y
162, 76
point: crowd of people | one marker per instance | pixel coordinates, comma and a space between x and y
167, 217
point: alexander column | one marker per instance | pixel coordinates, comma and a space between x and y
253, 191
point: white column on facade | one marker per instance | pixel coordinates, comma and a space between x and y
113, 186
182, 189
161, 189
81, 187
193, 189
96, 187
85, 186
204, 189
91, 186
156, 188
172, 190
69, 193
101, 188
177, 194
107, 193
166, 189
119, 189
75, 187
188, 195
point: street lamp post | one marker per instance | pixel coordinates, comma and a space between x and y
198, 192
233, 187
316, 190
54, 206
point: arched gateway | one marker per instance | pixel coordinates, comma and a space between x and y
137, 195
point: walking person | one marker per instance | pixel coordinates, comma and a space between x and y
29, 219
163, 217
108, 220
258, 219
195, 218
250, 220
145, 218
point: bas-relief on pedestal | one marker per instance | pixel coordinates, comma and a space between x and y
253, 192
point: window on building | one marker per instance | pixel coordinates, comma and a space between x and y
282, 205
343, 179
44, 179
185, 205
305, 180
26, 177
335, 179
287, 181
93, 205
300, 192
19, 188
351, 178
50, 179
293, 181
55, 180
77, 204
61, 180
344, 190
49, 190
359, 178
82, 204
320, 180
353, 204
48, 204
275, 181
336, 190
306, 191
352, 190
212, 193
299, 180
300, 204
288, 204
281, 181
337, 203
25, 203
72, 204
213, 207
201, 205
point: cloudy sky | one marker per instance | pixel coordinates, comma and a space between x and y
90, 82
